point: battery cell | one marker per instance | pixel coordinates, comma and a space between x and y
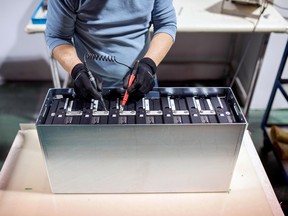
168, 109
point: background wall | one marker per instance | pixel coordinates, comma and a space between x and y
270, 66
22, 56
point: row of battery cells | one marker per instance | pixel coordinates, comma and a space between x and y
164, 110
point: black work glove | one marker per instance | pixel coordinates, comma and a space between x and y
144, 79
83, 84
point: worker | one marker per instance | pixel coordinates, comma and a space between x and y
117, 28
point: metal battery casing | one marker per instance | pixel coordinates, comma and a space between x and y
164, 158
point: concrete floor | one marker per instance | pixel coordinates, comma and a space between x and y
21, 101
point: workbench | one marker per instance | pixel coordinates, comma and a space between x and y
25, 190
214, 41
206, 16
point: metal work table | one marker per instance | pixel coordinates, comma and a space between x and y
25, 190
224, 42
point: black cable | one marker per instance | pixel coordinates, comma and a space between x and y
97, 57
241, 62
265, 4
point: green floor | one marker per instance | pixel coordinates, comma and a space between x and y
21, 101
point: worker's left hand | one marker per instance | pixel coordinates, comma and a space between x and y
83, 85
144, 79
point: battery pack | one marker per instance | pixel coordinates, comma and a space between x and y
172, 140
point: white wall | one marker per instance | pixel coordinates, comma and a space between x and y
22, 56
270, 66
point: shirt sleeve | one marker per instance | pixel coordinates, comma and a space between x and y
164, 18
61, 16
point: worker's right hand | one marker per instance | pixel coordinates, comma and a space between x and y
144, 81
83, 85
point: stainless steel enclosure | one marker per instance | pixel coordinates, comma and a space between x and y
141, 158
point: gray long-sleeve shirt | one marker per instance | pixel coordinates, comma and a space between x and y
117, 28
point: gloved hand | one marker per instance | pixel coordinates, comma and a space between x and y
83, 85
144, 79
